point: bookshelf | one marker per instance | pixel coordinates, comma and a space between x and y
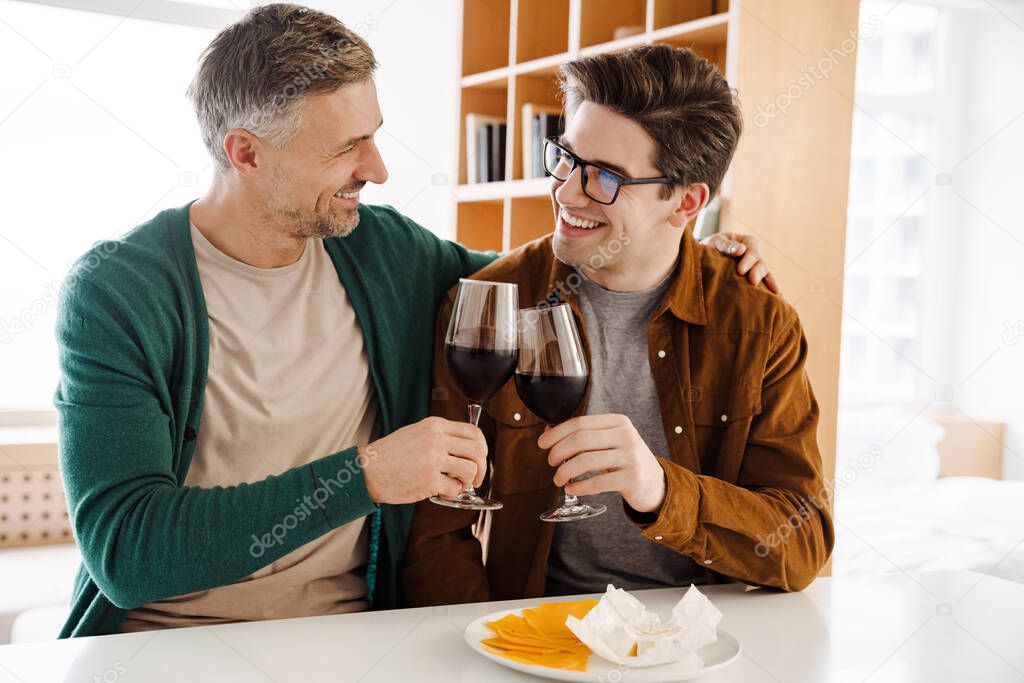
787, 183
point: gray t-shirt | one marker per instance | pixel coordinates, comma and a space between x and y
587, 555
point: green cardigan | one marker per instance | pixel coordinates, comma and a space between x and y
134, 345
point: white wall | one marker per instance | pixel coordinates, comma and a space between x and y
415, 44
985, 205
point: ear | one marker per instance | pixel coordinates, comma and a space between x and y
246, 153
693, 198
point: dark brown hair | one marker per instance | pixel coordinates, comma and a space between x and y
257, 72
679, 98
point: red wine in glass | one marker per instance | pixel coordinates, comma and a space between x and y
478, 372
551, 379
552, 398
480, 352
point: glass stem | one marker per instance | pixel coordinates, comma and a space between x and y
568, 500
474, 419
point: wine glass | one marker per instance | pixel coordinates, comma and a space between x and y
480, 351
551, 378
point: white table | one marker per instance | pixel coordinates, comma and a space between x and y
943, 626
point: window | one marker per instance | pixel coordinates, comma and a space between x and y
97, 135
894, 137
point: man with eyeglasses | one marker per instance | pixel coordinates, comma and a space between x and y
698, 429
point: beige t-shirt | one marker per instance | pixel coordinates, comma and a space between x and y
288, 383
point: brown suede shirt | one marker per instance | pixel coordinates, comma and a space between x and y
744, 474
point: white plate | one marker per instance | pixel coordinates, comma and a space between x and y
718, 654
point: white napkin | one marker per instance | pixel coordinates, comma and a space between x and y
619, 621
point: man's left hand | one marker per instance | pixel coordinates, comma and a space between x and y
611, 448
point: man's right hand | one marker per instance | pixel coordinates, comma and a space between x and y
433, 456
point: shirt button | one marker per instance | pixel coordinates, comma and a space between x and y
707, 561
658, 538
725, 418
678, 430
661, 354
517, 417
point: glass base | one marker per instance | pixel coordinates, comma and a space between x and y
467, 501
573, 513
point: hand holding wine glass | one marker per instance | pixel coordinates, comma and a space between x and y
427, 457
551, 379
480, 353
611, 449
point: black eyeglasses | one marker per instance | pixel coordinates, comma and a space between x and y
601, 185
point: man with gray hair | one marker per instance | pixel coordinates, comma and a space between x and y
245, 378
242, 391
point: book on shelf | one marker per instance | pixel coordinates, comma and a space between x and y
485, 148
497, 151
539, 121
481, 152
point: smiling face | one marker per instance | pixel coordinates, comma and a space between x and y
312, 187
645, 224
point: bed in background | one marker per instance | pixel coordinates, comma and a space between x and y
924, 493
